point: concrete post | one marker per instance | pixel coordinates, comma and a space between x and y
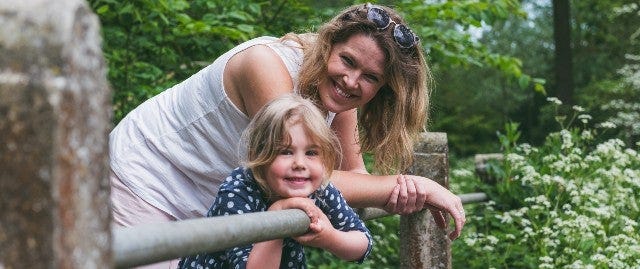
422, 243
54, 124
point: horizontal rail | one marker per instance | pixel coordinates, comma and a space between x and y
474, 197
145, 244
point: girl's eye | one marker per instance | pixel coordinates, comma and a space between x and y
286, 152
313, 153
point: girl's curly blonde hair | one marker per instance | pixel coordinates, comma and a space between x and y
267, 133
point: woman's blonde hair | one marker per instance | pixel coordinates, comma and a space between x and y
268, 133
391, 122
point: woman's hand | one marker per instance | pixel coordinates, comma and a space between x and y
407, 197
413, 193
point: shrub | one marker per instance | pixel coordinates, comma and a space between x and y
572, 202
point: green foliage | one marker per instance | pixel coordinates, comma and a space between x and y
572, 202
444, 26
616, 101
151, 45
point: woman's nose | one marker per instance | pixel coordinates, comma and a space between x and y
350, 80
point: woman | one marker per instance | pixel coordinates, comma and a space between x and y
364, 69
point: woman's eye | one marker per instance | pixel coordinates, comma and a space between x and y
372, 78
347, 60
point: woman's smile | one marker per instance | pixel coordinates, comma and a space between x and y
355, 73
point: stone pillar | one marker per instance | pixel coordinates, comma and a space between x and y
422, 243
54, 123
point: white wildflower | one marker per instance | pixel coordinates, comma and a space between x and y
492, 240
586, 134
567, 141
554, 100
606, 125
463, 173
599, 258
584, 118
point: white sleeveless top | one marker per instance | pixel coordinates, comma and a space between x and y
176, 148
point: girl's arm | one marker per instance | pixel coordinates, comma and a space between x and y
340, 231
349, 245
265, 254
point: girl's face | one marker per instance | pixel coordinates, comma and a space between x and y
355, 73
297, 170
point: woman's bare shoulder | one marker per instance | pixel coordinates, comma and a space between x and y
254, 76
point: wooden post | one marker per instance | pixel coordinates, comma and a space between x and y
422, 243
54, 125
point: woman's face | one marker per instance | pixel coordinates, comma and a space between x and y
355, 73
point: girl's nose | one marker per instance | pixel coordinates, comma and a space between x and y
298, 162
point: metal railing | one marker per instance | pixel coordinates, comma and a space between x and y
139, 245
423, 244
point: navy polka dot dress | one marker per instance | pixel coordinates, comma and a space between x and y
240, 194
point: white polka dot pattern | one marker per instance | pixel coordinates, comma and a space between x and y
240, 194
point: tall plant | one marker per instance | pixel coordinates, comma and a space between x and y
572, 202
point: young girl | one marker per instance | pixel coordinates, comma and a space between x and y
291, 154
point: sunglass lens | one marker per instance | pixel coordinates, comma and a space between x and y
404, 36
379, 17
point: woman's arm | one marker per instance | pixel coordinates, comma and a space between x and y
345, 125
402, 198
374, 191
364, 190
254, 77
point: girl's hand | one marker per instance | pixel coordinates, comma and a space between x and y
413, 193
318, 233
349, 246
305, 204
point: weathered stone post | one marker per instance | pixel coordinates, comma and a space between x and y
54, 124
422, 243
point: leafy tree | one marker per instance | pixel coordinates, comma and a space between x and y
151, 45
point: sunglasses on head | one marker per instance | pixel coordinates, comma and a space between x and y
404, 37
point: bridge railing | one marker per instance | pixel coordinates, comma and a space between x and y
423, 244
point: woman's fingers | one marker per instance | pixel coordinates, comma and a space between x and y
402, 198
410, 206
393, 200
459, 219
421, 195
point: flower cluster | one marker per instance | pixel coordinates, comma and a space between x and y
569, 203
